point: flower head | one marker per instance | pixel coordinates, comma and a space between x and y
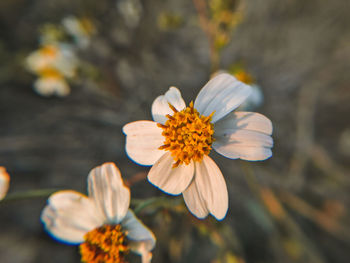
52, 63
180, 139
4, 182
102, 222
80, 29
60, 58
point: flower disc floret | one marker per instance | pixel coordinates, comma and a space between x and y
105, 244
188, 135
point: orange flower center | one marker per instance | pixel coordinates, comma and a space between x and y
244, 77
105, 244
50, 73
49, 51
188, 135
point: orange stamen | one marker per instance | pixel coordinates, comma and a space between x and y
188, 135
105, 244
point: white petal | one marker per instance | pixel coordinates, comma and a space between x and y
160, 106
221, 94
4, 182
255, 99
244, 135
143, 138
41, 59
212, 187
141, 239
244, 144
194, 201
248, 153
244, 138
47, 86
171, 180
107, 188
245, 120
146, 256
69, 215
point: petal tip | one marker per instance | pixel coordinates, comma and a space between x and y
220, 216
199, 216
173, 193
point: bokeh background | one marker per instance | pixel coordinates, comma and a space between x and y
290, 208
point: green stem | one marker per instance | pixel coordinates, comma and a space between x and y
156, 202
29, 194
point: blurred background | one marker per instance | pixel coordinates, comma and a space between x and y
74, 72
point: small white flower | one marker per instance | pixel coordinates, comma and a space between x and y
131, 11
102, 222
255, 100
51, 84
4, 182
58, 57
256, 97
80, 29
179, 140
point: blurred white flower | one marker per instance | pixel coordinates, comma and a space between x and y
80, 29
4, 182
51, 84
102, 222
180, 139
131, 11
255, 99
59, 57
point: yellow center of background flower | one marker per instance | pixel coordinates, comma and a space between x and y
244, 77
188, 135
50, 73
106, 244
49, 51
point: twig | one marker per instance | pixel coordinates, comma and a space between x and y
277, 211
207, 27
156, 202
322, 219
304, 133
326, 164
136, 178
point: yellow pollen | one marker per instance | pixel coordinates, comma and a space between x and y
50, 51
106, 244
50, 73
188, 135
244, 77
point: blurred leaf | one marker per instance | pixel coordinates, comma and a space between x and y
169, 21
260, 216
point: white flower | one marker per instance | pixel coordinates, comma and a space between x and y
102, 222
58, 57
255, 100
80, 29
256, 97
131, 11
4, 182
51, 84
179, 140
